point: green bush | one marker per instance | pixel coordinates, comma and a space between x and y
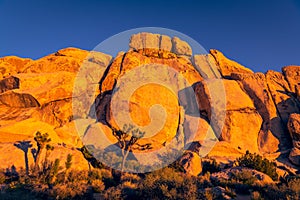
168, 184
255, 161
210, 166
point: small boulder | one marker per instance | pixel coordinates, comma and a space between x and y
191, 163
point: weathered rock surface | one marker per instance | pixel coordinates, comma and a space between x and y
292, 74
191, 163
181, 47
144, 40
18, 100
9, 83
255, 85
227, 66
206, 65
241, 115
294, 129
10, 65
228, 109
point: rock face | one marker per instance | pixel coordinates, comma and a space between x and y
294, 129
227, 66
207, 101
9, 83
18, 100
160, 42
38, 97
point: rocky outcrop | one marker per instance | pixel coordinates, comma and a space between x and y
9, 83
272, 129
11, 65
292, 76
294, 129
214, 104
282, 95
206, 65
227, 66
241, 115
18, 100
133, 69
57, 113
160, 42
181, 47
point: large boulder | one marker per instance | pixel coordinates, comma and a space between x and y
191, 163
144, 40
292, 74
241, 115
153, 81
57, 113
282, 95
294, 129
18, 100
160, 42
227, 66
181, 47
255, 85
206, 65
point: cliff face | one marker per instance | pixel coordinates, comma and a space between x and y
256, 115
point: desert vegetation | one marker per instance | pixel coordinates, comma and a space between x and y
58, 180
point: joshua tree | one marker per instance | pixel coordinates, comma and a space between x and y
24, 146
41, 141
68, 165
49, 148
127, 139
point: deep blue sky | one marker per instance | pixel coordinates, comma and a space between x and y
260, 34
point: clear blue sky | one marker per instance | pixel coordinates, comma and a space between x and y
260, 34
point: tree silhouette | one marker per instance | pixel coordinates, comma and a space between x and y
41, 141
49, 148
24, 146
68, 165
127, 140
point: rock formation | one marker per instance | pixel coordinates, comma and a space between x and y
41, 95
294, 129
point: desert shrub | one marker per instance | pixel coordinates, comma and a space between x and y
76, 175
97, 185
95, 174
168, 184
244, 177
113, 193
294, 185
204, 181
210, 166
273, 192
256, 162
72, 190
130, 177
